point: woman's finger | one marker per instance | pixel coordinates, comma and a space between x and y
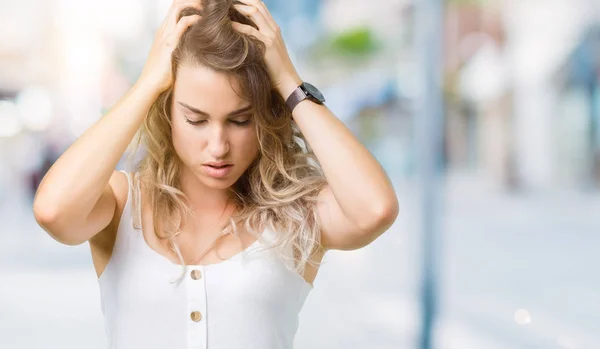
183, 24
248, 30
176, 8
257, 16
267, 13
262, 7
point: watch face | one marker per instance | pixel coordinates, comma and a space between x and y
313, 91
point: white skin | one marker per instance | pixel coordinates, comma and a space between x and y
218, 136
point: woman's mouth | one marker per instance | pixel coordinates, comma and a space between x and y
217, 171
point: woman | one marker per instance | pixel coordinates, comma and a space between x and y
237, 160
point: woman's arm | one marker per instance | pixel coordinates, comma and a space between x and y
75, 199
359, 203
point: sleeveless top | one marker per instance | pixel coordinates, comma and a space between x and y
251, 300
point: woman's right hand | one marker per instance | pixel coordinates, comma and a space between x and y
157, 71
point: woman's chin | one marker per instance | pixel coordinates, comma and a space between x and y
218, 183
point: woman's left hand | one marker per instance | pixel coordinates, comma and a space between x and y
283, 74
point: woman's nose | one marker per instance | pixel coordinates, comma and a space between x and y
219, 143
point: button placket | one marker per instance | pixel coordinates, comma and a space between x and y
196, 300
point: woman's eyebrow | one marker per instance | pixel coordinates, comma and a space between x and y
203, 113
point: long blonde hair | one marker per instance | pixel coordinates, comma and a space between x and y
279, 189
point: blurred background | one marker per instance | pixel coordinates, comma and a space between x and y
511, 259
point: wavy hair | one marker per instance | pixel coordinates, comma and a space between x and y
279, 189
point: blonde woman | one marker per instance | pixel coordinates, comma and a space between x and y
247, 179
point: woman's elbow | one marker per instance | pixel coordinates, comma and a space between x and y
387, 214
381, 218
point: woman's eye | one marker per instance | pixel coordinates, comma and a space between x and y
240, 123
235, 122
194, 122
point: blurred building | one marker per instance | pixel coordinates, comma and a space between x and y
504, 114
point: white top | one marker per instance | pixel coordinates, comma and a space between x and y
247, 301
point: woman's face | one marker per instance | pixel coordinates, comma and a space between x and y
212, 124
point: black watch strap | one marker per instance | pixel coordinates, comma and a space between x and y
296, 97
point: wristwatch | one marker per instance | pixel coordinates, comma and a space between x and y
304, 91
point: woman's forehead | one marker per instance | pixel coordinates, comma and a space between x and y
205, 88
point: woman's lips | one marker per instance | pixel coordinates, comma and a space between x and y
217, 172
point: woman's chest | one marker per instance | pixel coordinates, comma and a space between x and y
252, 278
